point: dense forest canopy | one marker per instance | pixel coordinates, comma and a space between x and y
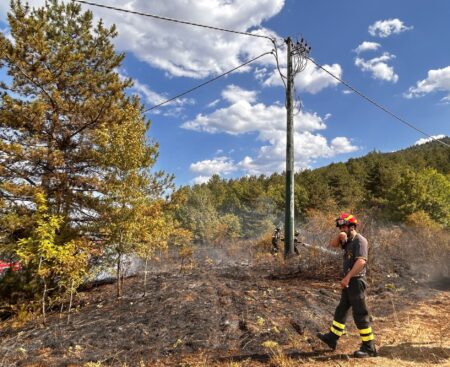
393, 186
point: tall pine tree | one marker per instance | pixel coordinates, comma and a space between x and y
62, 117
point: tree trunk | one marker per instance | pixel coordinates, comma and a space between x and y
119, 274
61, 310
70, 302
145, 276
182, 263
44, 295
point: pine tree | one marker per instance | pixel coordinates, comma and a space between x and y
61, 114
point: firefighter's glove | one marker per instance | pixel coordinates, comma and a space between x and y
342, 237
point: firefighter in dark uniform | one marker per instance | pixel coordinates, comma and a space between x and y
353, 287
297, 242
276, 239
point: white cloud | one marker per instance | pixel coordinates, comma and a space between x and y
384, 28
311, 80
200, 180
342, 145
446, 100
437, 80
243, 115
426, 140
234, 94
269, 122
378, 67
307, 148
209, 167
213, 103
367, 46
261, 73
184, 50
151, 98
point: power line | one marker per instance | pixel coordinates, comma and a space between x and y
207, 82
376, 104
172, 19
259, 36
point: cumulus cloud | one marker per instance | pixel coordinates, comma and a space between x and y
437, 80
200, 180
367, 46
378, 67
307, 148
431, 138
234, 94
221, 166
209, 167
384, 28
183, 50
247, 115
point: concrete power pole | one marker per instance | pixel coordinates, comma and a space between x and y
289, 195
296, 62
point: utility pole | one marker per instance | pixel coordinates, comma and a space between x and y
289, 195
296, 62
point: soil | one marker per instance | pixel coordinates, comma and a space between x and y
221, 315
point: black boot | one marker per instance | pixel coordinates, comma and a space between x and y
367, 349
329, 339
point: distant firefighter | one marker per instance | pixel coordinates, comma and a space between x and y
297, 242
276, 240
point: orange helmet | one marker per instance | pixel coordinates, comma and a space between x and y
346, 219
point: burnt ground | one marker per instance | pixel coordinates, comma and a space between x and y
221, 315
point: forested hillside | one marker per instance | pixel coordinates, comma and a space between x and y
408, 185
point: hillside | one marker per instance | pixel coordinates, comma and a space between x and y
393, 187
221, 309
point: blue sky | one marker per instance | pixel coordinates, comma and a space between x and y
396, 52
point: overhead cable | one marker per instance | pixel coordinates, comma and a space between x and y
171, 19
259, 36
207, 82
376, 104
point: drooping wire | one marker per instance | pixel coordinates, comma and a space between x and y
299, 65
171, 19
376, 104
299, 62
208, 81
282, 76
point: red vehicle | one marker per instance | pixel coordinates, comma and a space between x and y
14, 266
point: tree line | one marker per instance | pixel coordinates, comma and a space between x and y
409, 185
